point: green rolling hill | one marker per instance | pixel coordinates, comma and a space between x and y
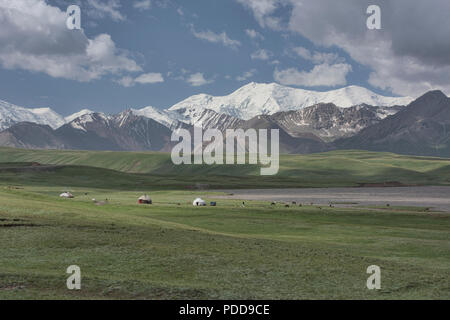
337, 168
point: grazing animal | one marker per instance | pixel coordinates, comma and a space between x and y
286, 206
273, 203
99, 203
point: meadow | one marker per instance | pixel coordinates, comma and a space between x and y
332, 169
172, 250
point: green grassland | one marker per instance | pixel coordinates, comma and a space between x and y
172, 250
332, 169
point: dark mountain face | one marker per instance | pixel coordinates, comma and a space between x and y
29, 135
90, 132
123, 132
330, 122
301, 144
140, 133
421, 128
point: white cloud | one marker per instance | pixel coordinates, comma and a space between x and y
321, 75
261, 54
103, 8
410, 55
146, 78
126, 81
150, 78
253, 34
263, 11
142, 4
198, 79
34, 37
246, 75
221, 38
317, 57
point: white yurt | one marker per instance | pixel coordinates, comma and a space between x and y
66, 195
145, 199
199, 202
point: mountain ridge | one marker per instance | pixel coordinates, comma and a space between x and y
244, 103
422, 128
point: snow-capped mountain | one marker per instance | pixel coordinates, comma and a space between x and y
11, 114
167, 118
330, 122
209, 111
256, 99
77, 115
419, 128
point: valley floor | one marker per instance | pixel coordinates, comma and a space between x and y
172, 250
256, 250
432, 197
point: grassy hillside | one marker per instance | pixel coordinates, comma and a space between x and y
177, 251
339, 168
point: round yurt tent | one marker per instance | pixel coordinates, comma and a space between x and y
145, 199
66, 195
199, 202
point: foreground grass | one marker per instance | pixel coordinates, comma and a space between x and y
171, 250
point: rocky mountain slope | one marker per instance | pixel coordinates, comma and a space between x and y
330, 122
96, 131
421, 128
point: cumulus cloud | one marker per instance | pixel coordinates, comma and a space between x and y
264, 11
316, 56
321, 75
198, 79
106, 8
142, 4
34, 37
411, 54
246, 75
221, 38
261, 54
253, 34
146, 78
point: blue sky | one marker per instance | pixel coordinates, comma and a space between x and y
162, 51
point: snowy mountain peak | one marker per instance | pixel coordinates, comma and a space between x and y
268, 98
164, 117
77, 115
11, 114
247, 102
